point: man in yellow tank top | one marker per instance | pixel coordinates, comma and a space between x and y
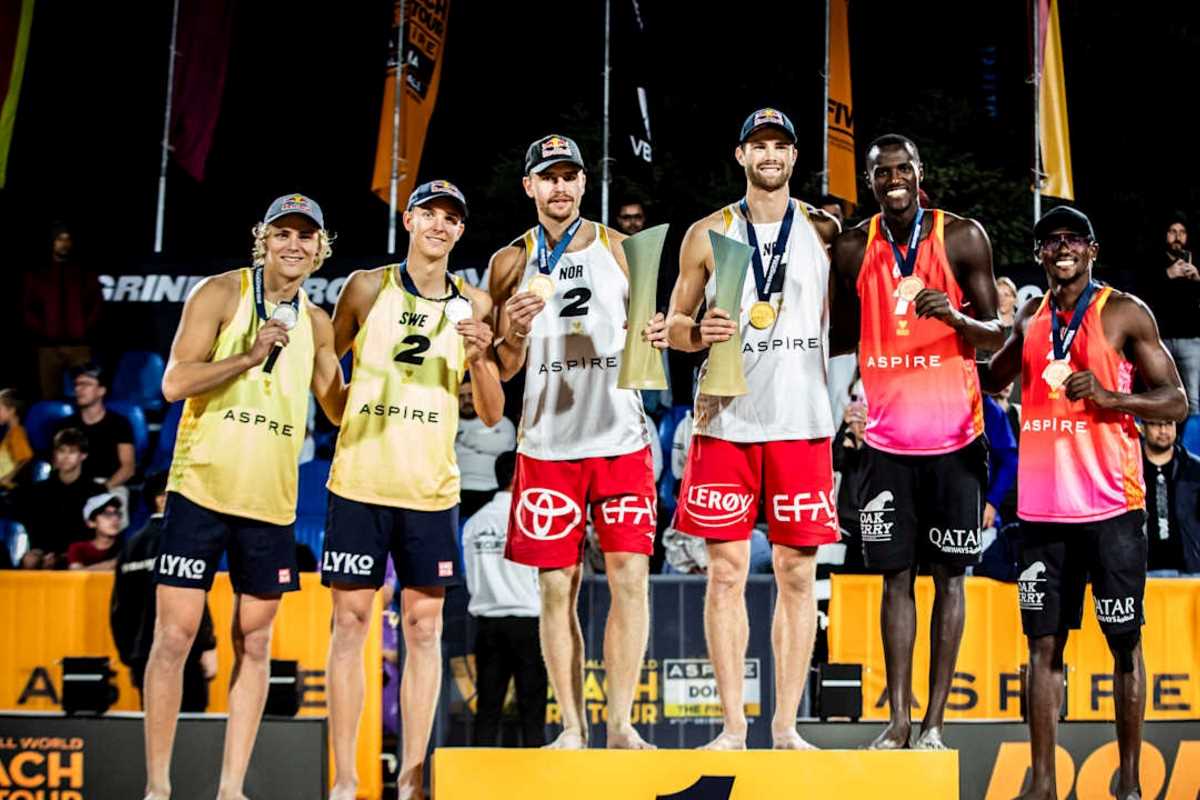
249, 348
394, 482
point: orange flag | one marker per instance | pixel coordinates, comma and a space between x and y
1054, 136
424, 43
842, 179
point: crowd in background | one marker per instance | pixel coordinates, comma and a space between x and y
83, 472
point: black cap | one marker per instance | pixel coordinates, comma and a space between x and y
767, 118
552, 149
428, 192
1063, 217
89, 369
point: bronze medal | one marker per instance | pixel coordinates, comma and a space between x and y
909, 288
1055, 375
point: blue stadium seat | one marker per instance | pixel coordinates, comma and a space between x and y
138, 380
137, 421
41, 422
164, 448
40, 471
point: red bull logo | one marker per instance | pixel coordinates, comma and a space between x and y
768, 116
296, 202
556, 146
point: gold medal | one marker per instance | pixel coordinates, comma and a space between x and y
762, 314
1055, 375
909, 288
542, 285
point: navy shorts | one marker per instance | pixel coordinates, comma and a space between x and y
262, 556
360, 536
923, 509
1057, 559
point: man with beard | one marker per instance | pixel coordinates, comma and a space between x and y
1173, 289
1082, 498
921, 297
771, 445
562, 290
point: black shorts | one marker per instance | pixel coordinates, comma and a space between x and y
359, 537
262, 556
1058, 558
923, 509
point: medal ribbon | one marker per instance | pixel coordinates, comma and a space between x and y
260, 301
1061, 340
905, 263
411, 287
547, 261
771, 279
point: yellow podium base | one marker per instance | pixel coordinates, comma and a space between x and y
463, 773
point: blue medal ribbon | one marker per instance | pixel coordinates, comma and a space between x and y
1061, 340
260, 300
769, 280
547, 261
905, 263
411, 287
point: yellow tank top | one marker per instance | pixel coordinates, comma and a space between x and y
396, 445
238, 447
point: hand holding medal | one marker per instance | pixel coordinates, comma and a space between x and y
1058, 372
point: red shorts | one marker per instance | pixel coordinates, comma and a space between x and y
723, 482
547, 521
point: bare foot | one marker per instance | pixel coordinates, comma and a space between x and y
727, 741
411, 784
343, 792
567, 740
409, 792
894, 737
627, 739
1131, 794
1039, 793
224, 795
930, 740
153, 795
790, 740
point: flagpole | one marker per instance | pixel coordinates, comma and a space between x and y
397, 100
825, 110
166, 137
605, 176
1037, 111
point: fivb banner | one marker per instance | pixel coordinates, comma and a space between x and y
424, 23
840, 111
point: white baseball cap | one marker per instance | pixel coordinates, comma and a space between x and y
94, 504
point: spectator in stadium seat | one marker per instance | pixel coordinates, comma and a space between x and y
834, 207
631, 217
476, 447
110, 436
1006, 297
51, 510
505, 602
102, 514
1172, 502
1173, 291
134, 607
15, 451
62, 303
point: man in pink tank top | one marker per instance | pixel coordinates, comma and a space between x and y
1082, 498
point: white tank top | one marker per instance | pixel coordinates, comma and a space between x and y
785, 363
572, 406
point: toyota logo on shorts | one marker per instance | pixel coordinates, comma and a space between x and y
546, 514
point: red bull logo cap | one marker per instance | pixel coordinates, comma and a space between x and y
553, 149
428, 192
294, 204
767, 117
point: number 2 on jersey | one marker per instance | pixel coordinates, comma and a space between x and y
577, 307
413, 355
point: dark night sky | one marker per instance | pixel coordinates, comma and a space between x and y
305, 82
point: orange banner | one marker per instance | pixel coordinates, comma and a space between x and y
987, 676
1054, 134
424, 44
842, 179
45, 616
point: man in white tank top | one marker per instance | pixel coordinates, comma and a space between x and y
772, 445
561, 290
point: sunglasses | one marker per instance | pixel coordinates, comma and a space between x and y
1074, 241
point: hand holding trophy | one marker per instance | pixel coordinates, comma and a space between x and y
723, 375
641, 362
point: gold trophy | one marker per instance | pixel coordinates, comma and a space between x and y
641, 363
723, 375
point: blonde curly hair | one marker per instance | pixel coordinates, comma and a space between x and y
259, 251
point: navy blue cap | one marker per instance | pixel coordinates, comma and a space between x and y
767, 117
552, 149
433, 190
294, 204
1063, 217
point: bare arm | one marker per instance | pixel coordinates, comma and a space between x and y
695, 264
970, 255
1137, 333
125, 457
514, 310
486, 391
328, 384
353, 305
846, 256
189, 372
1004, 364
